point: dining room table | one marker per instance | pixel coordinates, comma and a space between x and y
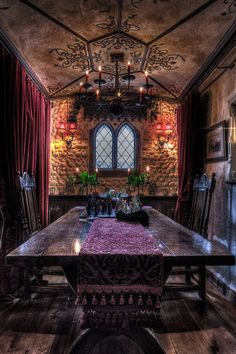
60, 243
65, 242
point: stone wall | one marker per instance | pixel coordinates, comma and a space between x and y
222, 226
161, 159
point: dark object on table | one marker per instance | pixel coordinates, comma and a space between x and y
140, 216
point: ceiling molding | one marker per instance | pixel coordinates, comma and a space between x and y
12, 49
163, 87
222, 49
231, 66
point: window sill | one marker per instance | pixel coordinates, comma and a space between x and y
113, 173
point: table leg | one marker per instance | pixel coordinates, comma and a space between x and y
71, 276
27, 286
143, 337
167, 270
202, 282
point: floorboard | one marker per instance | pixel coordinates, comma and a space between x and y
51, 322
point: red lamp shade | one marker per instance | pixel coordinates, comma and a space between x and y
159, 128
168, 128
72, 127
61, 128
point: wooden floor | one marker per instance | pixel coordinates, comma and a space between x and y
50, 323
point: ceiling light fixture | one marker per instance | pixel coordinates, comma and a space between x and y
121, 101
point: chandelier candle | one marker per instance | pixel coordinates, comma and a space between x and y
97, 95
86, 81
100, 76
128, 74
140, 94
146, 74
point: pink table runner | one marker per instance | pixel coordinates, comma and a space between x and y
120, 275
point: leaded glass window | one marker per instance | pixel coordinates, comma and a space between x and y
126, 147
104, 147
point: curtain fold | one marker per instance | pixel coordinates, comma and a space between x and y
24, 138
190, 154
25, 133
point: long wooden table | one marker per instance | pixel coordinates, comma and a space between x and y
59, 245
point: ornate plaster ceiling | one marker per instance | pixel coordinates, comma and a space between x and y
172, 39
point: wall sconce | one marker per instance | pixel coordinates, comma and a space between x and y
163, 132
66, 130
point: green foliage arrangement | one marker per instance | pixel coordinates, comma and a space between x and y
137, 179
86, 179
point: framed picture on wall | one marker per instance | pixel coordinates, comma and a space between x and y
216, 142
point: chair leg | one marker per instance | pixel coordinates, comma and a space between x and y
202, 282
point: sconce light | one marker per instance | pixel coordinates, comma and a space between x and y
66, 130
164, 132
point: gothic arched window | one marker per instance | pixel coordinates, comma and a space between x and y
104, 147
115, 149
126, 147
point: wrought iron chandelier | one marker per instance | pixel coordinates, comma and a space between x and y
121, 102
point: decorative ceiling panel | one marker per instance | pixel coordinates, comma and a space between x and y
174, 59
133, 51
150, 18
172, 39
88, 18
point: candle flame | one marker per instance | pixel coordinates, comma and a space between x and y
146, 73
147, 168
97, 92
129, 63
99, 68
141, 89
87, 72
77, 246
81, 83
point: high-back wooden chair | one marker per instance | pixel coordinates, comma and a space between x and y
203, 188
28, 203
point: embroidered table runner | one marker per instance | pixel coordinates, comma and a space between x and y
120, 275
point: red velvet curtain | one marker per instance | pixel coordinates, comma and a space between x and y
25, 131
189, 153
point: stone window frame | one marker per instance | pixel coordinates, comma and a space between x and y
114, 171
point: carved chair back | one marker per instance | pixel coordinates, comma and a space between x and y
203, 189
28, 202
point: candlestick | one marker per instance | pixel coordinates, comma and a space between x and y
140, 94
97, 95
86, 81
100, 76
128, 74
146, 74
